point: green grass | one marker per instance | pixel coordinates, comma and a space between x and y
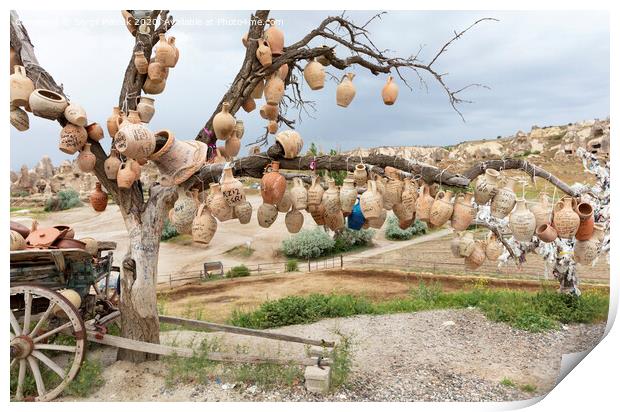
292, 265
534, 312
507, 382
529, 388
238, 272
240, 251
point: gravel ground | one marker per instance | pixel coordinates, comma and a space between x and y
444, 355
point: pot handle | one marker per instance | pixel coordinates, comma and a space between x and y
442, 193
200, 209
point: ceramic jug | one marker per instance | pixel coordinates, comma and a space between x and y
464, 212
314, 74
504, 200
486, 186
204, 225
522, 222
345, 92
442, 208
273, 184
565, 219
389, 93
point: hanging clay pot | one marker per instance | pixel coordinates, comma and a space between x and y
522, 222
17, 241
156, 71
232, 188
331, 198
275, 38
178, 160
243, 212
19, 119
348, 195
403, 215
504, 200
493, 247
86, 159
381, 183
466, 243
239, 129
315, 192
112, 164
72, 138
274, 90
224, 123
164, 52
75, 114
409, 196
272, 127
133, 118
318, 213
314, 73
345, 92
283, 71
390, 91
371, 201
218, 205
266, 215
393, 192
291, 142
257, 93
98, 198
204, 225
542, 210
248, 105
299, 195
285, 204
21, 87
546, 232
356, 219
153, 86
377, 222
172, 41
477, 256
135, 141
335, 221
424, 204
464, 212
232, 146
586, 251
94, 132
442, 208
183, 212
269, 112
146, 108
125, 176
273, 184
486, 186
360, 175
454, 245
113, 121
47, 104
140, 62
294, 220
586, 221
565, 219
263, 53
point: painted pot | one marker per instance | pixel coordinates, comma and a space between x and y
477, 257
294, 220
76, 114
371, 201
546, 232
72, 138
135, 141
345, 92
464, 212
348, 195
224, 123
204, 225
486, 186
504, 200
232, 188
178, 160
146, 108
21, 87
360, 175
314, 74
274, 90
275, 38
47, 104
522, 222
291, 142
140, 62
266, 215
112, 164
493, 248
273, 184
239, 129
94, 132
389, 93
586, 221
173, 43
409, 196
243, 212
217, 203
356, 219
565, 219
86, 159
19, 119
299, 194
98, 198
442, 208
424, 204
263, 53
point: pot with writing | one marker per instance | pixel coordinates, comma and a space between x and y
504, 200
442, 208
522, 222
565, 219
486, 186
204, 225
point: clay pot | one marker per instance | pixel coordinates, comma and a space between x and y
112, 164
135, 141
409, 196
377, 222
272, 185
477, 256
72, 138
232, 146
248, 105
86, 159
403, 215
283, 71
17, 241
393, 192
318, 213
314, 73
360, 175
493, 247
94, 132
522, 222
586, 251
291, 142
299, 195
156, 71
466, 243
348, 195
424, 204
315, 192
218, 205
294, 220
19, 119
542, 210
153, 86
113, 121
239, 129
98, 198
125, 176
275, 38
274, 90
132, 118
565, 219
504, 200
136, 166
586, 221
146, 108
232, 188
272, 127
390, 91
172, 41
335, 221
47, 104
257, 93
243, 212
546, 232
266, 215
371, 201
269, 112
178, 160
21, 229
43, 238
345, 92
464, 212
76, 115
486, 186
285, 204
204, 225
140, 62
224, 123
183, 212
263, 53
331, 198
164, 52
21, 87
442, 208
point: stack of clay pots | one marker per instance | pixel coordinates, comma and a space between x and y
166, 56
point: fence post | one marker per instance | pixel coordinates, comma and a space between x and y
341, 262
170, 280
309, 268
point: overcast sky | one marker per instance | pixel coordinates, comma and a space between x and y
542, 68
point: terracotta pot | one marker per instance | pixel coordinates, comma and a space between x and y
546, 232
224, 123
153, 86
299, 195
477, 256
232, 188
315, 193
285, 204
345, 92
294, 220
504, 200
42, 238
360, 175
156, 71
466, 243
494, 248
243, 211
132, 118
486, 186
393, 192
314, 73
113, 121
390, 91
204, 225
135, 141
272, 127
218, 205
112, 164
586, 221
409, 196
565, 219
47, 104
72, 138
274, 90
403, 215
442, 208
464, 212
86, 159
586, 251
17, 241
348, 195
522, 222
248, 105
232, 146
283, 71
173, 43
331, 198
334, 221
21, 87
272, 185
275, 37
263, 53
291, 142
178, 160
94, 132
125, 176
69, 243
146, 108
381, 184
424, 204
183, 212
140, 62
98, 198
164, 52
76, 114
239, 129
257, 93
269, 112
21, 229
542, 210
318, 213
371, 201
266, 215
377, 222
19, 119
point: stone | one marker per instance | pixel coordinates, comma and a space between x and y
318, 380
45, 169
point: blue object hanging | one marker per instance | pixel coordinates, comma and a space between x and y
356, 219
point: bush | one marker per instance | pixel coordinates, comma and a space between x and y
393, 232
308, 244
291, 265
238, 272
65, 199
350, 239
168, 232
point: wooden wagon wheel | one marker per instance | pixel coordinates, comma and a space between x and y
33, 351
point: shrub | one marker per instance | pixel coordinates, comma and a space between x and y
238, 272
308, 244
169, 231
65, 199
350, 239
393, 232
291, 265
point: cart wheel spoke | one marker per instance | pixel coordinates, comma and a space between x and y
62, 348
27, 312
43, 319
36, 372
15, 324
21, 376
52, 332
49, 363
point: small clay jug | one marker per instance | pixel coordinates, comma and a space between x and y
135, 141
486, 186
424, 204
542, 210
263, 53
146, 108
239, 129
164, 52
243, 212
272, 127
217, 203
389, 93
466, 243
345, 92
565, 219
140, 62
291, 143
21, 87
133, 117
586, 221
371, 201
232, 188
275, 38
76, 114
477, 256
299, 195
273, 184
113, 121
125, 176
19, 118
348, 194
442, 208
315, 192
224, 123
493, 248
112, 164
360, 175
94, 132
72, 138
546, 232
156, 71
274, 90
464, 212
314, 74
86, 159
204, 225
266, 215
98, 198
286, 204
504, 200
294, 220
409, 196
522, 222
